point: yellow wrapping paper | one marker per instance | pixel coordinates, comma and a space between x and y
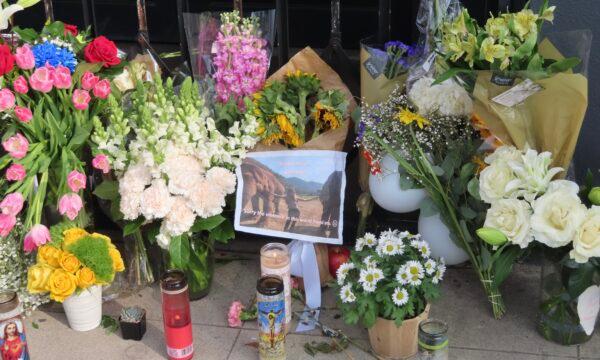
549, 120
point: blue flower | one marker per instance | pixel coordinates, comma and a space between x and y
48, 53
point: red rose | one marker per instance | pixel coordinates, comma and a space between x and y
102, 50
71, 29
7, 60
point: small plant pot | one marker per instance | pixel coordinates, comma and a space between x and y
133, 331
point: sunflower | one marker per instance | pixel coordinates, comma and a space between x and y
325, 117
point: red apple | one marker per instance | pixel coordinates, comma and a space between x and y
337, 256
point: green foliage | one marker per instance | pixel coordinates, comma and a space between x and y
56, 232
93, 253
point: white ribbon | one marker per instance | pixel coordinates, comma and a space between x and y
304, 264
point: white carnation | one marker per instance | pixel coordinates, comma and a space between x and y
163, 240
222, 178
206, 199
130, 205
180, 219
511, 217
183, 171
135, 179
156, 201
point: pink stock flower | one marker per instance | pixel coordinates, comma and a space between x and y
7, 223
23, 114
16, 145
81, 99
20, 85
233, 316
76, 181
102, 89
61, 77
24, 57
12, 204
36, 237
88, 80
15, 172
42, 79
7, 99
101, 162
69, 205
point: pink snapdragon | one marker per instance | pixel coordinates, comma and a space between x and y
23, 114
101, 162
16, 145
81, 99
102, 89
12, 204
76, 181
15, 172
233, 316
61, 77
69, 205
7, 223
36, 237
42, 79
88, 80
7, 99
24, 57
20, 85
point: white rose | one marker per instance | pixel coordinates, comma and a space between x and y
586, 243
557, 215
494, 182
504, 153
512, 217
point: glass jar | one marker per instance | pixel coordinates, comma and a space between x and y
14, 341
433, 340
177, 318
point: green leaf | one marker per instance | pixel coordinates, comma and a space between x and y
467, 212
438, 170
107, 190
504, 264
467, 171
35, 325
207, 224
55, 29
450, 73
133, 226
27, 3
83, 67
563, 65
179, 251
407, 182
473, 188
526, 49
222, 233
536, 64
351, 316
82, 133
428, 207
27, 35
109, 324
580, 279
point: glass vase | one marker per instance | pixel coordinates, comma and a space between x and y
139, 271
201, 267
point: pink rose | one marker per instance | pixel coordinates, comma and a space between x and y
7, 99
88, 80
101, 162
16, 145
102, 89
20, 85
24, 57
7, 223
12, 204
69, 205
76, 181
23, 114
233, 316
81, 99
42, 79
61, 77
36, 237
15, 172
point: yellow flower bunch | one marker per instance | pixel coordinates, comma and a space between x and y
81, 260
408, 117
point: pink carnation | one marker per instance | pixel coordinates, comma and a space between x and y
36, 237
233, 316
15, 172
7, 99
24, 57
16, 145
7, 223
23, 114
12, 204
81, 99
76, 181
42, 79
102, 89
69, 205
88, 80
20, 85
101, 162
61, 77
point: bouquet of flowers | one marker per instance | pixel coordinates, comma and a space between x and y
74, 261
392, 277
173, 167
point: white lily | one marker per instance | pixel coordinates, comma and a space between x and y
6, 13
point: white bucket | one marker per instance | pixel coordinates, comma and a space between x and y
84, 310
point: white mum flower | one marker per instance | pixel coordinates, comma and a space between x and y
369, 262
346, 294
343, 271
430, 266
400, 296
360, 243
415, 272
424, 249
387, 247
370, 240
156, 201
439, 272
388, 235
402, 275
369, 278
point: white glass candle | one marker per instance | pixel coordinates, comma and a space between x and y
275, 260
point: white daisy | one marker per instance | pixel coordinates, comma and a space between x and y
369, 262
387, 247
346, 294
400, 296
430, 265
388, 235
369, 287
370, 240
403, 235
369, 278
415, 243
439, 272
360, 243
415, 272
343, 271
424, 249
402, 275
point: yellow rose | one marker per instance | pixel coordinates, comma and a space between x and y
61, 285
69, 262
72, 235
48, 254
37, 278
85, 277
118, 264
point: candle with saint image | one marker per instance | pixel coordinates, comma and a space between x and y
275, 260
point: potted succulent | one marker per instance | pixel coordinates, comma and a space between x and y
388, 283
133, 323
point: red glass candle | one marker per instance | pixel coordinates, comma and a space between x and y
176, 315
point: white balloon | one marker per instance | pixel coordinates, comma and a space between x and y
437, 234
385, 189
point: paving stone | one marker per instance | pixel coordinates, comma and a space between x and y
591, 349
468, 354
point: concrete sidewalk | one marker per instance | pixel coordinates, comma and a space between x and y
474, 334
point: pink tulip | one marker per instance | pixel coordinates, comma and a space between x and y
24, 57
12, 204
15, 172
16, 145
42, 79
61, 77
69, 205
102, 89
88, 80
76, 181
23, 114
7, 223
101, 162
81, 99
20, 85
36, 237
7, 99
